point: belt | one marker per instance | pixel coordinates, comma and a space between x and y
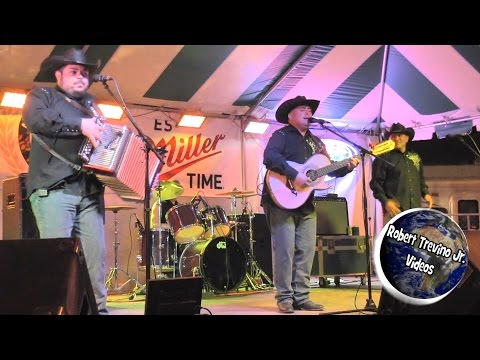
59, 186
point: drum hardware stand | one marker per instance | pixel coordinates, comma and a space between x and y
253, 278
235, 222
113, 273
256, 276
137, 290
249, 280
209, 218
159, 273
175, 256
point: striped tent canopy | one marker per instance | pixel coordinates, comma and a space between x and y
362, 88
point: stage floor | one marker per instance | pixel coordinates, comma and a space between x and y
348, 295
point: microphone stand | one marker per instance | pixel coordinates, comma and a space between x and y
370, 304
149, 146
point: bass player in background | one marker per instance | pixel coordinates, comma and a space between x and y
401, 186
293, 231
67, 202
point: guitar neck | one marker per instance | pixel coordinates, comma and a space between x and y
315, 174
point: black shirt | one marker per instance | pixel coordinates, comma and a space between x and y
58, 123
404, 181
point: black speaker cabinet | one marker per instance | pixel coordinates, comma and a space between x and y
45, 277
332, 215
18, 219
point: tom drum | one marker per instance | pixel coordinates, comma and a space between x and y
185, 223
216, 222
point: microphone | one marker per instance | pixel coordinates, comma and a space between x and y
318, 121
204, 202
101, 78
138, 223
162, 150
194, 197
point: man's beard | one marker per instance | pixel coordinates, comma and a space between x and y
79, 94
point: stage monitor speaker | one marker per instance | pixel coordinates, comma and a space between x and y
45, 277
332, 215
174, 296
18, 219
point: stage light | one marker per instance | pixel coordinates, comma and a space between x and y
189, 120
111, 111
452, 129
13, 100
255, 127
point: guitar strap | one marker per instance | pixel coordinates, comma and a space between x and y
318, 146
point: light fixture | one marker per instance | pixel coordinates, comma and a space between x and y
111, 111
255, 127
14, 100
189, 120
458, 128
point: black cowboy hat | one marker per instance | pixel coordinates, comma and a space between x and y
398, 128
71, 56
284, 109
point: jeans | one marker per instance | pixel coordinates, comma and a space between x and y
293, 251
60, 215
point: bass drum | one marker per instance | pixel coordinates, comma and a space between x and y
221, 261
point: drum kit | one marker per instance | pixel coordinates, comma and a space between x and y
209, 240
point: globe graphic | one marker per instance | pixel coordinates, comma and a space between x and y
440, 273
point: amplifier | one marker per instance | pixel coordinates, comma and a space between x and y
18, 219
332, 215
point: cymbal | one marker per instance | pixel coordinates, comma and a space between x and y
116, 208
236, 192
240, 196
168, 190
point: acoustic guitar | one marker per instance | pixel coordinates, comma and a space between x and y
287, 196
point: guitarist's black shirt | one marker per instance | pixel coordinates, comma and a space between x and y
288, 144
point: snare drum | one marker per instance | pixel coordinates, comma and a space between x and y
163, 249
186, 225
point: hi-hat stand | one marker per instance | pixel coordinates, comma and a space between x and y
112, 276
255, 276
256, 273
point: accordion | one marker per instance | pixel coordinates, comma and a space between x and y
119, 161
